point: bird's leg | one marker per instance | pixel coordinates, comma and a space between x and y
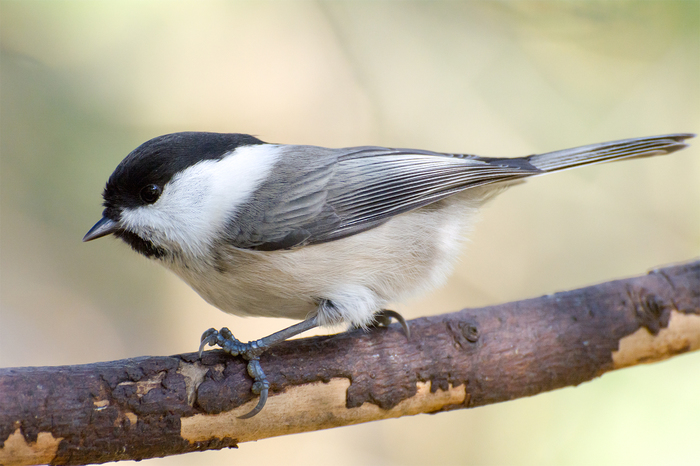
383, 319
251, 352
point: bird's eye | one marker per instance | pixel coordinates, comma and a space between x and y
150, 193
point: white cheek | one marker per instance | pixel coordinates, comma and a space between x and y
196, 204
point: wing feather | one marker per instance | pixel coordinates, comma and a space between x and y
329, 194
318, 195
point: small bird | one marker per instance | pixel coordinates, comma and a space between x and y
326, 236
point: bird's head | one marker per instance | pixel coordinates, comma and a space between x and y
173, 194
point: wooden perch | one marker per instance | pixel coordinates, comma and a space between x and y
158, 406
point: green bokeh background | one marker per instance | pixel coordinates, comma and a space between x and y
84, 82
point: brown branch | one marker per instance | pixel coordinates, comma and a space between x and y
157, 406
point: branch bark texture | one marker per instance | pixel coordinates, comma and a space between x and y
158, 406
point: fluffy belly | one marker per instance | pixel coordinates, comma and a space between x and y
360, 274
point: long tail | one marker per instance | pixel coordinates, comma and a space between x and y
609, 151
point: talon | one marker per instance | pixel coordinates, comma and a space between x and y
384, 317
258, 407
260, 387
208, 333
208, 338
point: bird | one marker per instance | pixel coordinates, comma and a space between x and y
327, 236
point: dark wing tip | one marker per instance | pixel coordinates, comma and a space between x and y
682, 136
676, 141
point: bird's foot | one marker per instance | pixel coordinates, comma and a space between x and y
251, 352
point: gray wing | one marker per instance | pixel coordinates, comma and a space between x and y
376, 183
320, 195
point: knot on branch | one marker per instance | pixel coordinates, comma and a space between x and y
651, 311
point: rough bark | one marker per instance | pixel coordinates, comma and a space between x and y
158, 406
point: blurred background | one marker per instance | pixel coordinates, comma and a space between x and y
85, 82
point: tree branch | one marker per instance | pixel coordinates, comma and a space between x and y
158, 406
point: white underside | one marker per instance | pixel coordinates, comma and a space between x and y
409, 255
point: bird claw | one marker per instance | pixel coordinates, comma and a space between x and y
383, 319
208, 338
259, 406
261, 387
251, 352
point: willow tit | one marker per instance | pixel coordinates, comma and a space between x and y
329, 236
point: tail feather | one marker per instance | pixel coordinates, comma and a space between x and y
609, 151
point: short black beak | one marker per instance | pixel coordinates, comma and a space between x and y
102, 228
